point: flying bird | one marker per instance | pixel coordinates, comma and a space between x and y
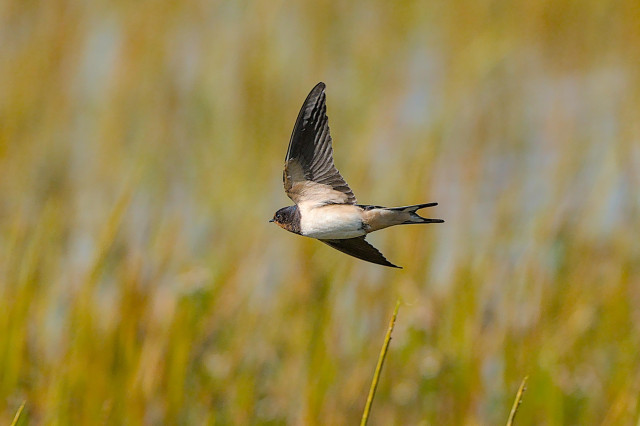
325, 207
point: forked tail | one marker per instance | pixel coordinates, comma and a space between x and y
415, 217
378, 217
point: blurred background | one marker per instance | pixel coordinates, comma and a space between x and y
141, 154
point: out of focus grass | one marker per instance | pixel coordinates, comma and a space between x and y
141, 146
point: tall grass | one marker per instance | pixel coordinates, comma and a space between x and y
376, 375
141, 146
517, 401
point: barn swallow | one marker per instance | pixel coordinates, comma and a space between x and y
325, 207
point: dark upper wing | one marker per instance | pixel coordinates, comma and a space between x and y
309, 172
358, 247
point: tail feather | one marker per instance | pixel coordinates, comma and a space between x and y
415, 217
412, 209
378, 217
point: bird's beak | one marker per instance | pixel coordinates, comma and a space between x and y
271, 220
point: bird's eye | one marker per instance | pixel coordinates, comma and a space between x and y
278, 216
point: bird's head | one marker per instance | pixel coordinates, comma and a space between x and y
288, 218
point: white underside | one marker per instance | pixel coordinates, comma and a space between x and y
331, 221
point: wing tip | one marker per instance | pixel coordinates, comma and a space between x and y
317, 90
389, 264
384, 261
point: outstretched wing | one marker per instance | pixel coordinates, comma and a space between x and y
358, 247
309, 172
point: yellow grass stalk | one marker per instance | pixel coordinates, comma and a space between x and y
517, 401
376, 374
18, 414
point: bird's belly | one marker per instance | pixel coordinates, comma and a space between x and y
332, 222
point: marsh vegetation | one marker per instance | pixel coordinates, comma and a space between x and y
141, 150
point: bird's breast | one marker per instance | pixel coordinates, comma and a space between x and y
333, 221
